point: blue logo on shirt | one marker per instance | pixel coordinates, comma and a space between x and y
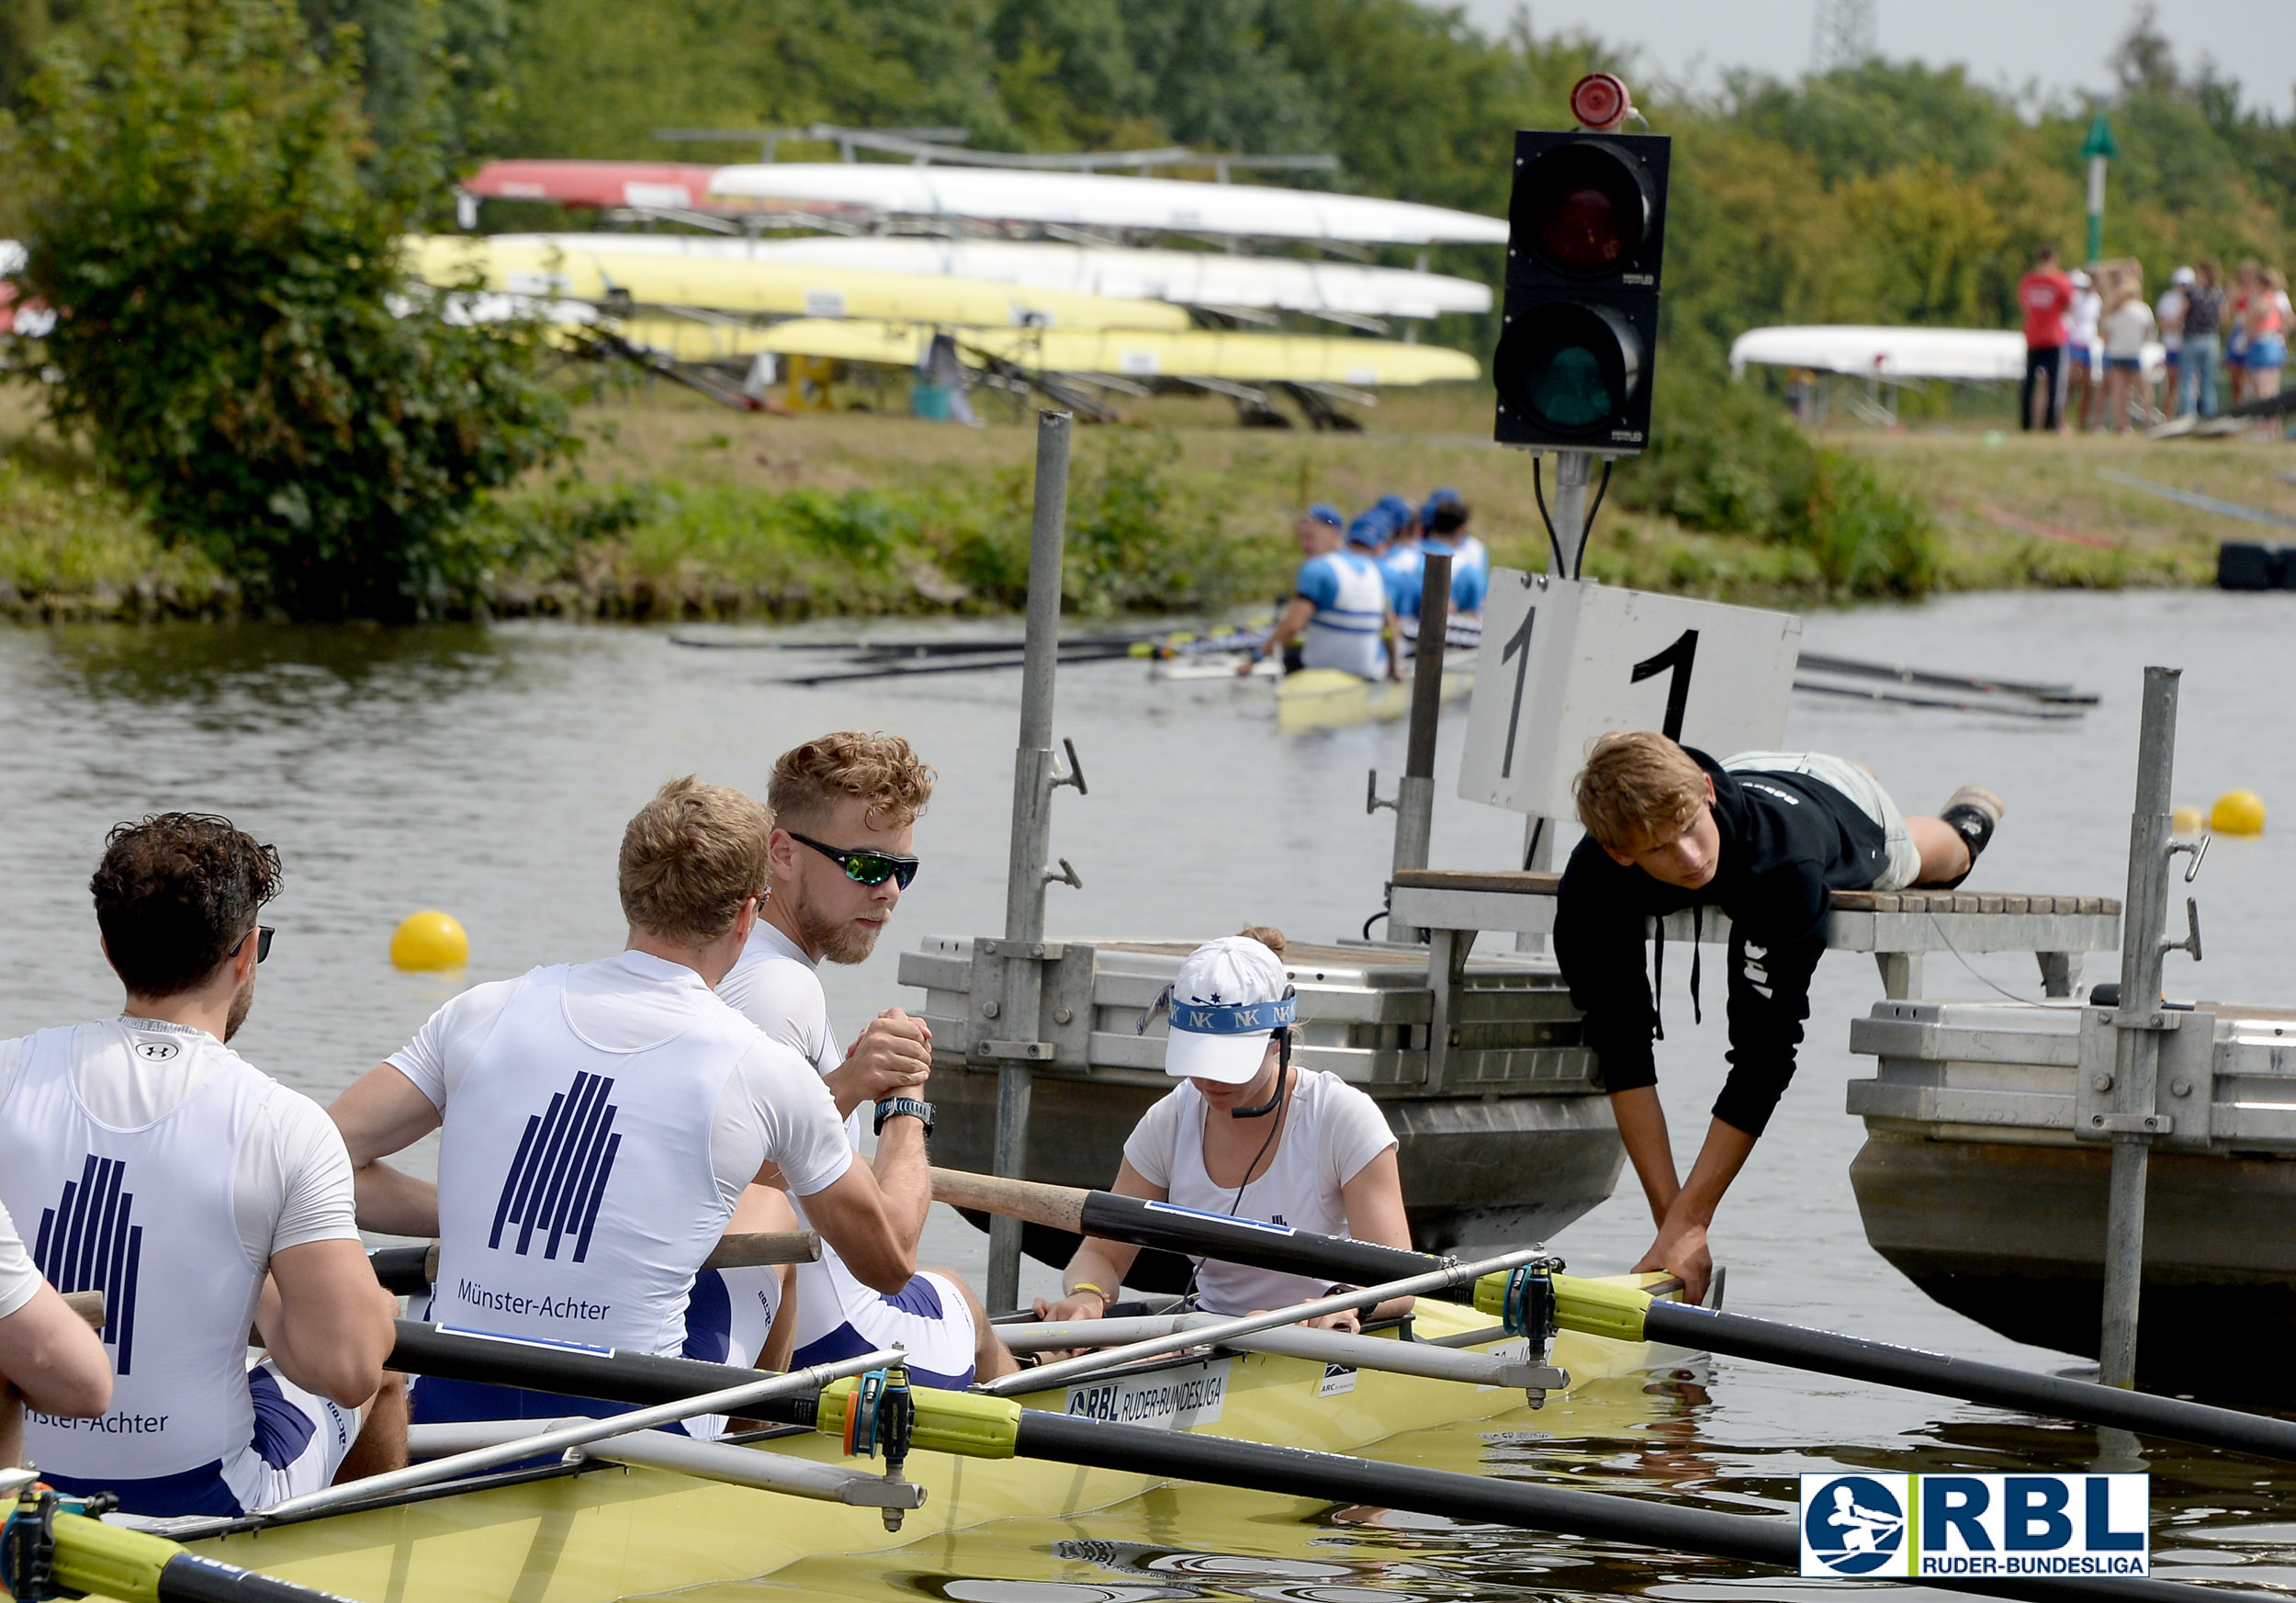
558, 1178
86, 1243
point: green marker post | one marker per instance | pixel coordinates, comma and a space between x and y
2099, 149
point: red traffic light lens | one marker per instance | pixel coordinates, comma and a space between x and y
1599, 100
1584, 208
1569, 369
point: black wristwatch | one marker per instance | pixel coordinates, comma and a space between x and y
894, 1107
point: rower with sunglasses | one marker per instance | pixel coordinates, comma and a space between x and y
1247, 1133
845, 811
147, 1161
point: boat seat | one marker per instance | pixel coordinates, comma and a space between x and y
1454, 905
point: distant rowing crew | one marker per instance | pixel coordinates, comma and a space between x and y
602, 1126
1359, 578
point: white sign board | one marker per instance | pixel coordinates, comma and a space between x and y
1565, 660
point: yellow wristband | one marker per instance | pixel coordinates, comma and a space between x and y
1099, 1291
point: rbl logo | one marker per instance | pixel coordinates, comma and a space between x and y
1975, 1525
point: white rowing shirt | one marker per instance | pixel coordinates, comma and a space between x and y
1330, 1132
20, 1280
598, 1122
125, 1147
1350, 596
777, 989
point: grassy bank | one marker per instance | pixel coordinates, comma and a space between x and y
679, 509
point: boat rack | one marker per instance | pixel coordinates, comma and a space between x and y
1899, 927
1515, 1093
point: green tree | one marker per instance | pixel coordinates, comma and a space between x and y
205, 207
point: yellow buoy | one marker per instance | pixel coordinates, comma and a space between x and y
2238, 812
2186, 822
429, 940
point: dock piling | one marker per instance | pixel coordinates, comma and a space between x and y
2138, 1022
1035, 775
1415, 796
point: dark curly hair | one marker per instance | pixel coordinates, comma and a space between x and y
176, 894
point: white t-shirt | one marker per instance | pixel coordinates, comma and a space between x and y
773, 1107
2170, 306
777, 988
2127, 327
2080, 325
18, 1279
293, 1182
1330, 1132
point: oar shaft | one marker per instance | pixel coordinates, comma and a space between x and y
1854, 1359
1331, 1477
135, 1566
411, 1270
1143, 1222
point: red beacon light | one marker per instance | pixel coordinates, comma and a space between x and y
1601, 103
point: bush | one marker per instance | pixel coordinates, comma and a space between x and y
1723, 458
205, 207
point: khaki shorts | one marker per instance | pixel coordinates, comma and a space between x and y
1857, 782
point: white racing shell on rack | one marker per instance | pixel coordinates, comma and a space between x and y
1100, 201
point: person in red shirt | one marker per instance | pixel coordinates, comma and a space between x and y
2046, 295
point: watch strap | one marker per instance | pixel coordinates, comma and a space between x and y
892, 1107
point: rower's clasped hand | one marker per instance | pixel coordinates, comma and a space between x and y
892, 1057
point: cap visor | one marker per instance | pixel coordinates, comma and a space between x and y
1230, 1060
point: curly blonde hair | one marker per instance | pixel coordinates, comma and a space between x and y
691, 857
881, 770
1637, 787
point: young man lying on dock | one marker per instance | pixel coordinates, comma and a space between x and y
199, 1196
845, 810
603, 1125
1767, 836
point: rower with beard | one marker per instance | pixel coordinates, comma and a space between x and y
845, 810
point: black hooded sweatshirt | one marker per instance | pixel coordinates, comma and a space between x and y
1788, 843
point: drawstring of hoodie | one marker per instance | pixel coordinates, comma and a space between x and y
1657, 971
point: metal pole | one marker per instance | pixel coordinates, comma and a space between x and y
1414, 798
2136, 1054
1031, 836
1574, 470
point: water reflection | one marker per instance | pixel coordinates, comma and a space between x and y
286, 664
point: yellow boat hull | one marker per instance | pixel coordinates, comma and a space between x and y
615, 1533
1326, 698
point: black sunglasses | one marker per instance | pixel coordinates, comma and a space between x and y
262, 940
865, 867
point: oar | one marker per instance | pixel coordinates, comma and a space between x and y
974, 1426
134, 1567
1857, 667
978, 1425
910, 671
1422, 1359
409, 1271
1625, 1313
2005, 709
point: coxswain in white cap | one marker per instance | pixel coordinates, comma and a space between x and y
845, 810
1250, 1135
153, 1163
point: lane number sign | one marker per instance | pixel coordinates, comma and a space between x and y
1564, 660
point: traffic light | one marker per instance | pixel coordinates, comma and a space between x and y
1586, 233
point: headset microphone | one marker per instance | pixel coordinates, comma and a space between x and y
1283, 1072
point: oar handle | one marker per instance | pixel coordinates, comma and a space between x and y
1057, 1207
88, 1306
409, 1271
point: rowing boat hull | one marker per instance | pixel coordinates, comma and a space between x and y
615, 1533
1326, 698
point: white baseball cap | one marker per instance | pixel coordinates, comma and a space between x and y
2183, 276
1228, 999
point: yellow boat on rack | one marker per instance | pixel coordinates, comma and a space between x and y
602, 1531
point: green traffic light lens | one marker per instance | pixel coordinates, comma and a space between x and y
1569, 368
1570, 390
1584, 208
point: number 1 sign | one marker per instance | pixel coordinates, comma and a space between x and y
1564, 660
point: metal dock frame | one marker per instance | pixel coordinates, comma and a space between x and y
1899, 927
